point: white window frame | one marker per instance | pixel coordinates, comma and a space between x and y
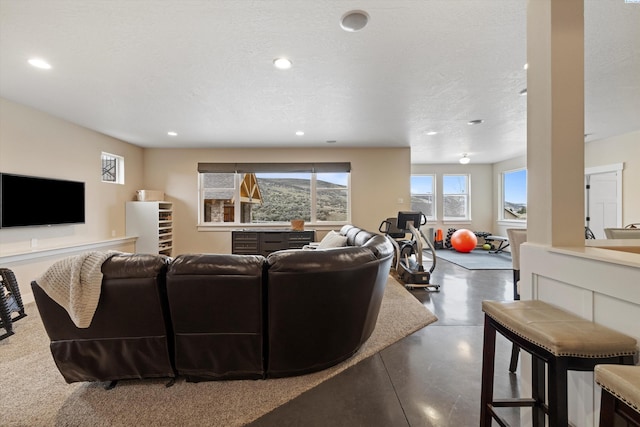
237, 210
467, 197
433, 217
119, 165
501, 216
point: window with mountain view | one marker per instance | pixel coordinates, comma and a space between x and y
274, 197
455, 198
514, 195
422, 195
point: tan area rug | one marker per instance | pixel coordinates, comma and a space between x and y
33, 393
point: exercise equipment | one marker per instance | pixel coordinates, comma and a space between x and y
408, 259
464, 240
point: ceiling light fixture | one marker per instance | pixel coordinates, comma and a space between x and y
331, 141
464, 159
282, 63
526, 66
523, 92
354, 20
433, 132
172, 133
475, 122
299, 133
40, 63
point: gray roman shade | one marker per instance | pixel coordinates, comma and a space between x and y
274, 167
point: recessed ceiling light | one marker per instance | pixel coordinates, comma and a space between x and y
475, 122
331, 141
171, 133
523, 92
299, 133
433, 132
526, 66
282, 63
40, 63
354, 20
464, 159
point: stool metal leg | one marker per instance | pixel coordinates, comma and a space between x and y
488, 368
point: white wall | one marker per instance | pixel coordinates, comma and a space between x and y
481, 194
379, 179
35, 143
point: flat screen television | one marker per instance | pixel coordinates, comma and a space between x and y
30, 200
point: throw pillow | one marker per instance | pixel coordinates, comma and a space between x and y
333, 239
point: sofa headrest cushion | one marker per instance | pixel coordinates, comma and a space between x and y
319, 260
380, 245
362, 237
124, 266
214, 264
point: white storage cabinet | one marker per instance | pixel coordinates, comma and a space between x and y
152, 222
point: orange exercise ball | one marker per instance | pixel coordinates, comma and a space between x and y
464, 240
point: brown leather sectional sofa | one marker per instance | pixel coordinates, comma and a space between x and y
213, 316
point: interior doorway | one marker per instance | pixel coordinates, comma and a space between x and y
603, 198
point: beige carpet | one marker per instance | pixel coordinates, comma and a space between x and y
33, 393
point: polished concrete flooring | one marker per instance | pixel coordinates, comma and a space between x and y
430, 378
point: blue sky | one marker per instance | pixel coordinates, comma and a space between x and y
515, 186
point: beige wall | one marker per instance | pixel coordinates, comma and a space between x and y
481, 194
620, 149
379, 179
35, 143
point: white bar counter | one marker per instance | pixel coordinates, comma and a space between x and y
600, 282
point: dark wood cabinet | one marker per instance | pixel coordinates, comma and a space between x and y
263, 242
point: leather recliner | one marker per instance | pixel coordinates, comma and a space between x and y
323, 305
216, 310
130, 334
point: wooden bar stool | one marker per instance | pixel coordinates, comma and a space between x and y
561, 340
620, 393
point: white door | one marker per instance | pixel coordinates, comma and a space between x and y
602, 202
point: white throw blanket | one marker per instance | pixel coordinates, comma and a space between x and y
75, 283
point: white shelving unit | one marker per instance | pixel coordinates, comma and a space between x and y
152, 222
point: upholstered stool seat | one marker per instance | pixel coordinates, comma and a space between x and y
553, 336
620, 393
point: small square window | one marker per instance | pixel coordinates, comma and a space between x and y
112, 168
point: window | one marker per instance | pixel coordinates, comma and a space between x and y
256, 193
455, 198
112, 168
422, 195
514, 195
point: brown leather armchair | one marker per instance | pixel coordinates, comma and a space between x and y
129, 336
217, 315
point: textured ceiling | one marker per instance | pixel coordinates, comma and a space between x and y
203, 68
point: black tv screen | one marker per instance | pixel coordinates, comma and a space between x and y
30, 200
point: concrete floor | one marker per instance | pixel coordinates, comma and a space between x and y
430, 378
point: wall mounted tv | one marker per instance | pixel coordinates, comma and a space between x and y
30, 200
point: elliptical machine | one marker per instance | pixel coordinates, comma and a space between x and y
408, 260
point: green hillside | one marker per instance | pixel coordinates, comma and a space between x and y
287, 199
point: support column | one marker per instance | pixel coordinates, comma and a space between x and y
555, 122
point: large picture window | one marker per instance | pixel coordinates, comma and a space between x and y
455, 198
422, 195
274, 193
514, 195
